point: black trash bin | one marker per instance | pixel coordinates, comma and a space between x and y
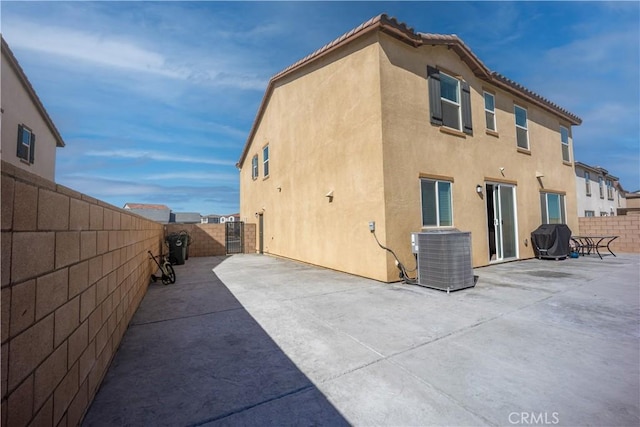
177, 249
551, 241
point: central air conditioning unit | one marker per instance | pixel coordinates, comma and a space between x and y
444, 259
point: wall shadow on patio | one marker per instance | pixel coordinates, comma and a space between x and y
194, 356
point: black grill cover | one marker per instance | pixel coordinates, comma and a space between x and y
551, 240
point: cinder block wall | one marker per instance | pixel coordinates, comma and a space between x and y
625, 226
74, 271
209, 239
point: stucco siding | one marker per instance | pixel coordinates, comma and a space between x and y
413, 146
323, 128
17, 109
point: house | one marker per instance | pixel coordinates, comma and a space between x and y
409, 132
598, 192
632, 199
220, 219
23, 119
159, 213
186, 218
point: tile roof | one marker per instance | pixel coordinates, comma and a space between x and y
399, 30
144, 206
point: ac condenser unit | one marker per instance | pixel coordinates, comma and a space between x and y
444, 259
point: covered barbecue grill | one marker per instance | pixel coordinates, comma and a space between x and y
551, 241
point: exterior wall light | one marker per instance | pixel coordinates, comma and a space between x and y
329, 195
479, 189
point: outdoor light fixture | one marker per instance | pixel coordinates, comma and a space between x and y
479, 189
539, 174
329, 195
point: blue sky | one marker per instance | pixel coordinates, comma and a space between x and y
155, 99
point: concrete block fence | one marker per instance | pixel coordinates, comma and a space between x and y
209, 239
625, 226
74, 270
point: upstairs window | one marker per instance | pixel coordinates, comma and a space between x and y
589, 214
564, 139
609, 189
522, 127
490, 110
601, 186
265, 161
436, 203
449, 101
552, 208
26, 144
587, 183
254, 167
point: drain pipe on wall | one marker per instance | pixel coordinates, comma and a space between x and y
403, 271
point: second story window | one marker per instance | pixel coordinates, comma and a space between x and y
26, 144
265, 160
564, 139
254, 167
587, 183
490, 110
609, 189
522, 127
449, 101
601, 186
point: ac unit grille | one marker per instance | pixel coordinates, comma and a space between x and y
444, 260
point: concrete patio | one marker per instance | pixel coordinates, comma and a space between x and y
265, 341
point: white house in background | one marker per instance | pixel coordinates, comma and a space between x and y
220, 219
598, 192
23, 119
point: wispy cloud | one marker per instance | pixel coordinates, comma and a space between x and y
89, 47
158, 156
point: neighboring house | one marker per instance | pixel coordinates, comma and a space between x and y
220, 219
598, 192
633, 203
186, 218
413, 132
29, 137
159, 213
210, 219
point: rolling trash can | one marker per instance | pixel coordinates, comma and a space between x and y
177, 248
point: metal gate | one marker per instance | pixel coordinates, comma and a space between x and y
234, 237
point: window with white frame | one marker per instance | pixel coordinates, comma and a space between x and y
589, 213
587, 183
564, 139
522, 127
552, 208
609, 189
26, 144
254, 167
449, 101
265, 161
601, 186
437, 209
490, 110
